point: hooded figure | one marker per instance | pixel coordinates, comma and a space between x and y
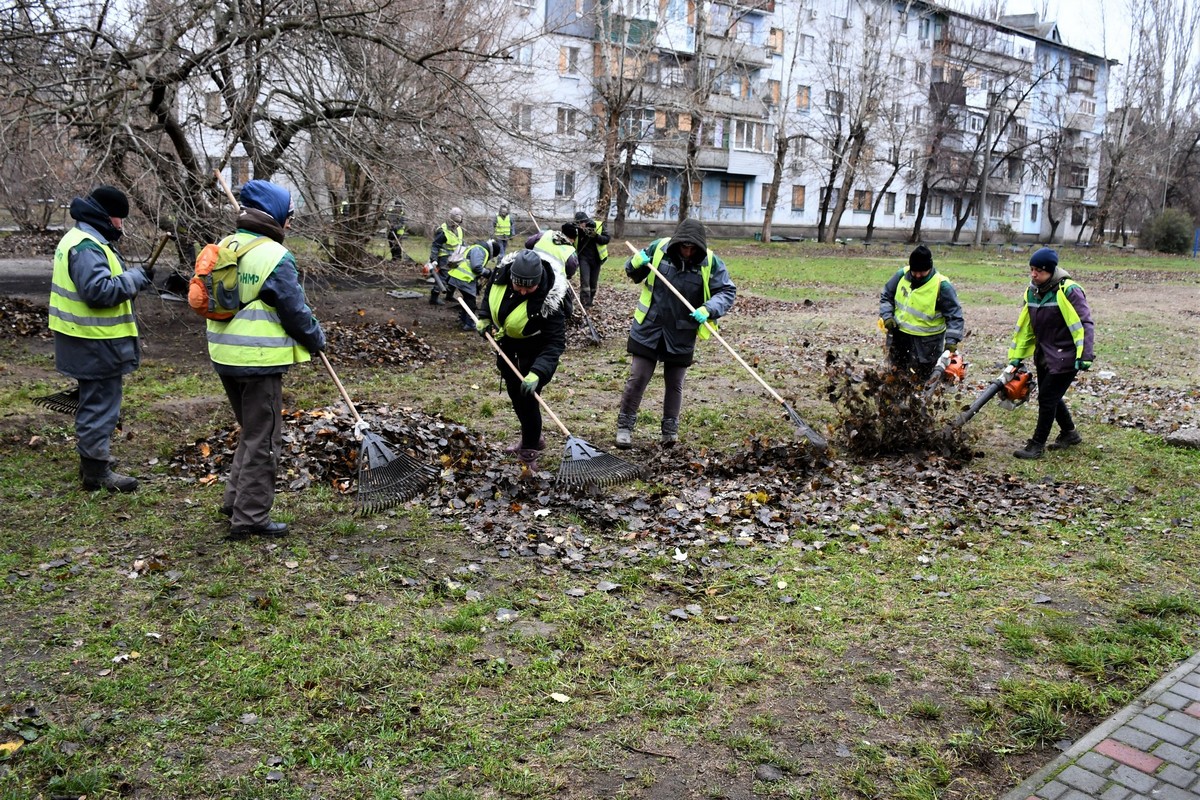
523, 310
591, 244
95, 331
1055, 327
663, 329
920, 310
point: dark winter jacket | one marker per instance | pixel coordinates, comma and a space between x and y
668, 332
1055, 347
546, 332
98, 359
282, 291
587, 242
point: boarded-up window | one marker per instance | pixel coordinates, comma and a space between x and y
797, 198
803, 97
733, 194
773, 88
775, 40
862, 199
519, 181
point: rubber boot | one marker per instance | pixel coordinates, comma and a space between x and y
1032, 449
585, 298
670, 431
529, 458
97, 474
1066, 439
516, 445
625, 424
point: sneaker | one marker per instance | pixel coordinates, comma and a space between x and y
1066, 439
1032, 449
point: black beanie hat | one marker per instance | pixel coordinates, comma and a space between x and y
920, 259
1044, 259
526, 269
112, 200
580, 216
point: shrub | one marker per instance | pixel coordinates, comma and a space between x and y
1169, 232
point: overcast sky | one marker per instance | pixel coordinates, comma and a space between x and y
1084, 24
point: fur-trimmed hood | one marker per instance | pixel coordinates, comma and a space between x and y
551, 291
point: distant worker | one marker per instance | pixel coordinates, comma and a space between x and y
503, 230
663, 330
1055, 327
465, 275
95, 331
523, 309
447, 240
250, 353
397, 231
922, 315
591, 243
558, 249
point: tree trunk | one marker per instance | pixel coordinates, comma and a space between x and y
781, 148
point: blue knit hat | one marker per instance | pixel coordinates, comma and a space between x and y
1044, 259
268, 197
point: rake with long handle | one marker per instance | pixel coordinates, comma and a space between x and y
67, 401
815, 439
592, 333
582, 465
385, 477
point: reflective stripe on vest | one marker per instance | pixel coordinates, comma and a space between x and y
69, 313
255, 336
503, 226
1024, 332
916, 309
453, 240
513, 325
647, 295
463, 271
602, 249
557, 253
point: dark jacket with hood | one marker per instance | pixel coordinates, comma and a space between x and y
98, 359
265, 208
668, 332
546, 332
1055, 347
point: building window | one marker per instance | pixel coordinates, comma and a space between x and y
835, 101
568, 61
520, 180
566, 120
523, 116
922, 72
803, 97
935, 205
697, 193
766, 195
733, 194
1016, 209
862, 200
805, 49
749, 135
1087, 106
523, 57
918, 115
1033, 212
910, 204
658, 185
651, 73
889, 203
564, 183
797, 198
239, 170
775, 40
1077, 216
772, 97
834, 194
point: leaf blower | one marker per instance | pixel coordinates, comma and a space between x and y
1013, 384
950, 367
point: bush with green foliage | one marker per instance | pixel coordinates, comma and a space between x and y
1169, 232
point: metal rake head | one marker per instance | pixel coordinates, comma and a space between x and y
387, 478
583, 465
64, 402
804, 429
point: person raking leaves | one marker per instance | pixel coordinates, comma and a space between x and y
523, 309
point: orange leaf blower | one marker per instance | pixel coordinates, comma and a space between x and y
950, 368
1013, 384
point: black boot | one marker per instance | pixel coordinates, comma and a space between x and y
1032, 449
96, 474
670, 431
435, 298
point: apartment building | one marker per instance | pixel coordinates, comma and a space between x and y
871, 113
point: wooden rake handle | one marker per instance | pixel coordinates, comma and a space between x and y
711, 329
228, 192
595, 337
496, 346
338, 382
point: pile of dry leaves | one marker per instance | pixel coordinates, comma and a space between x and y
22, 318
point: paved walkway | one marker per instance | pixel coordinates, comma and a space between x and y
1149, 750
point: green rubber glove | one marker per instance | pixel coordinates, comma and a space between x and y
1016, 362
530, 384
700, 314
952, 347
483, 326
1081, 365
890, 324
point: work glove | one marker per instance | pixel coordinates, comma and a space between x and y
530, 383
1081, 365
1014, 363
890, 324
952, 347
485, 274
700, 314
148, 271
484, 326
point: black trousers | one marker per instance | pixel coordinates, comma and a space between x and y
1051, 389
526, 407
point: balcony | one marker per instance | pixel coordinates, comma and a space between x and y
737, 51
1068, 194
946, 93
753, 107
763, 6
674, 154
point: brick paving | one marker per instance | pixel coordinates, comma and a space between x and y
1150, 750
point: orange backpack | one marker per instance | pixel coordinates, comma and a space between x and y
213, 291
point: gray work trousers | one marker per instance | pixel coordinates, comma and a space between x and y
250, 488
640, 371
97, 416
